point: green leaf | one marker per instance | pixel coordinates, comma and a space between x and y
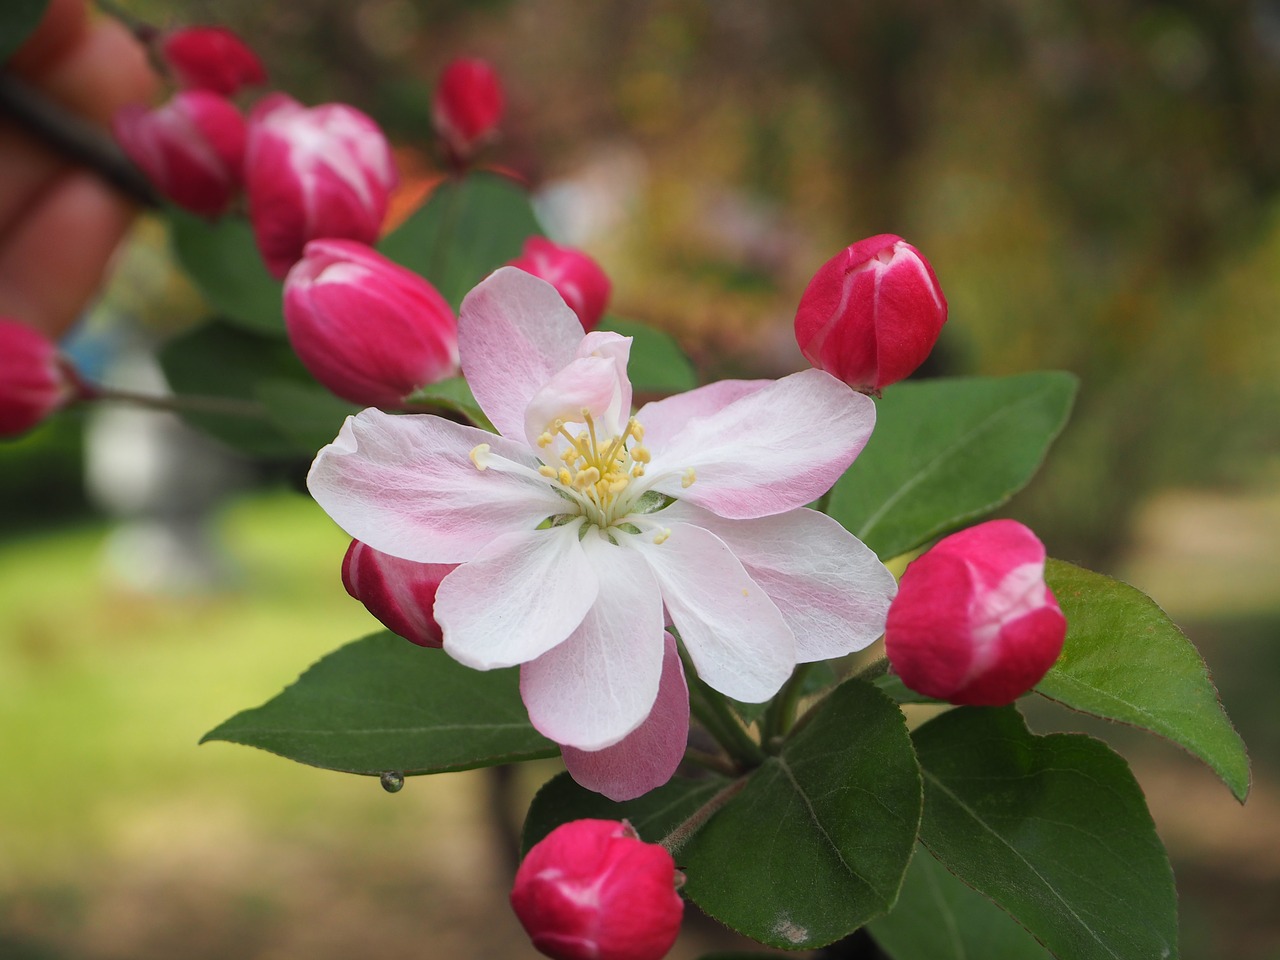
1054, 829
948, 451
227, 363
18, 18
453, 394
892, 684
466, 230
657, 365
1125, 660
818, 840
937, 917
225, 264
382, 704
306, 413
654, 815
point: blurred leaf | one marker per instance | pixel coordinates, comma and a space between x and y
1054, 829
1125, 660
306, 413
383, 704
818, 840
654, 815
453, 394
948, 451
465, 231
657, 365
223, 260
18, 18
221, 361
938, 917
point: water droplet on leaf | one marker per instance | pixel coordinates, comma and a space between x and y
392, 781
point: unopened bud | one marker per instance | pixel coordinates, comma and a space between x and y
577, 278
34, 378
974, 622
466, 108
400, 593
213, 59
593, 889
871, 314
312, 173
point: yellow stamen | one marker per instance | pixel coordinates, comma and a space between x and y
661, 538
549, 472
690, 475
544, 439
480, 450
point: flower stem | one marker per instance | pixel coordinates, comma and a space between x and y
715, 714
711, 761
188, 403
782, 711
678, 837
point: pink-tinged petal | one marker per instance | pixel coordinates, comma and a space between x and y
406, 485
522, 595
514, 335
664, 419
648, 756
400, 593
832, 590
1024, 650
600, 684
735, 634
592, 383
614, 346
772, 451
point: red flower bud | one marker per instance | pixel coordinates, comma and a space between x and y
466, 108
314, 173
400, 593
577, 278
593, 890
213, 59
871, 314
34, 379
367, 328
192, 148
973, 621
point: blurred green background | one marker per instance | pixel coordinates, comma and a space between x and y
1097, 185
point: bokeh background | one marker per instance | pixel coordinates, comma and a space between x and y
1097, 184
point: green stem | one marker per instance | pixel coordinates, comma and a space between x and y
782, 712
678, 837
711, 761
714, 713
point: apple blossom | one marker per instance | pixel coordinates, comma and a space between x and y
579, 528
370, 330
467, 106
313, 173
213, 59
34, 378
593, 890
872, 313
973, 621
400, 593
191, 148
576, 277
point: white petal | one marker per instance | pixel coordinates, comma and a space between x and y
600, 684
734, 633
832, 590
523, 594
594, 384
648, 756
406, 485
663, 419
771, 451
514, 334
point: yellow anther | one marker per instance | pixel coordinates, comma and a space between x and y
640, 454
479, 451
637, 430
544, 439
661, 538
549, 472
744, 592
637, 470
617, 486
588, 476
564, 477
570, 455
690, 475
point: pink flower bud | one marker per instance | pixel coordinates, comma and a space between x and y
34, 379
466, 108
367, 328
400, 593
213, 59
314, 173
577, 278
593, 889
871, 314
192, 148
973, 621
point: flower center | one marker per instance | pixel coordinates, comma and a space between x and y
597, 469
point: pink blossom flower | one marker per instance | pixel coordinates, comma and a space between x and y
579, 528
35, 380
576, 277
400, 593
213, 59
974, 622
467, 106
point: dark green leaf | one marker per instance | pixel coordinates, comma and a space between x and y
1125, 660
468, 229
228, 364
948, 451
453, 394
306, 413
892, 684
224, 262
1054, 829
654, 815
937, 917
382, 704
657, 365
18, 18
